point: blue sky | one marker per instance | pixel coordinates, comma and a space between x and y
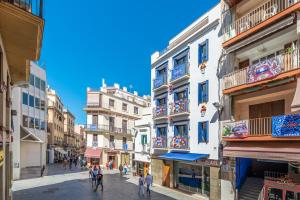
85, 42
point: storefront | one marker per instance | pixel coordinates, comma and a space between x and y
142, 167
93, 156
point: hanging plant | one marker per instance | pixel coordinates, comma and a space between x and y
202, 67
203, 110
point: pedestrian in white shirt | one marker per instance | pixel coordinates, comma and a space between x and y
141, 185
148, 182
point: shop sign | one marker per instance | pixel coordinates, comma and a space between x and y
286, 126
264, 70
208, 162
1, 157
236, 129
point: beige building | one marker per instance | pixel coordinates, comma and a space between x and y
69, 134
111, 112
17, 47
80, 139
55, 127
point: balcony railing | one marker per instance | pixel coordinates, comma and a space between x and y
160, 111
263, 70
179, 142
179, 107
159, 81
180, 71
254, 17
34, 7
160, 142
95, 143
250, 127
107, 128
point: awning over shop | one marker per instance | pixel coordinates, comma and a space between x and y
296, 101
63, 152
92, 152
283, 151
189, 157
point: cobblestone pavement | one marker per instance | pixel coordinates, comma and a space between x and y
76, 186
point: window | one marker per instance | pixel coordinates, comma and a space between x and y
37, 124
111, 103
161, 102
181, 58
181, 95
43, 85
144, 139
95, 119
124, 140
111, 138
181, 130
95, 137
37, 82
25, 121
124, 107
203, 52
25, 98
203, 132
203, 92
37, 103
136, 110
161, 131
31, 79
31, 100
31, 122
43, 125
43, 105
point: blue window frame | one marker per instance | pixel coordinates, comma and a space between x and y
161, 101
203, 92
181, 95
31, 100
43, 125
181, 130
203, 52
203, 132
161, 131
25, 98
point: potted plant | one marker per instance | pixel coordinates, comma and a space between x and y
203, 110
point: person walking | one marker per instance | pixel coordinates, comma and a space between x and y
148, 181
121, 169
95, 172
65, 162
125, 168
141, 185
99, 180
42, 170
70, 162
75, 161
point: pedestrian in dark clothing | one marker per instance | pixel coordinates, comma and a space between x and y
42, 170
99, 180
121, 169
70, 163
75, 161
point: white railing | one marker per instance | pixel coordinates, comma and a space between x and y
271, 67
257, 15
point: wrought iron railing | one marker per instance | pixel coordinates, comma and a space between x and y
160, 111
269, 68
107, 128
180, 71
179, 106
159, 81
256, 16
179, 142
34, 7
160, 142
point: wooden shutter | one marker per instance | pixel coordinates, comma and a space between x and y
200, 54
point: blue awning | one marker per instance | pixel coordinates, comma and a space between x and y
190, 157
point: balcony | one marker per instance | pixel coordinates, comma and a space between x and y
160, 112
257, 18
160, 142
106, 128
160, 82
179, 107
179, 142
180, 73
22, 26
262, 72
284, 127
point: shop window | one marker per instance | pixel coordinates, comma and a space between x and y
25, 98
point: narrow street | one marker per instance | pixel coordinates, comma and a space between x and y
75, 185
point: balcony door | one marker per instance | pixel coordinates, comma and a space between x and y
268, 109
111, 123
95, 120
124, 126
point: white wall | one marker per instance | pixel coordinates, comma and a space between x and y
30, 154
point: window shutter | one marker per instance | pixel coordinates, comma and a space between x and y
199, 54
206, 52
142, 139
206, 137
200, 100
206, 95
145, 139
175, 131
200, 131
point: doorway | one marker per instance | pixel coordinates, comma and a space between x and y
268, 109
114, 160
166, 175
111, 123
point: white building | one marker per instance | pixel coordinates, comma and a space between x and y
30, 131
185, 150
111, 112
142, 142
